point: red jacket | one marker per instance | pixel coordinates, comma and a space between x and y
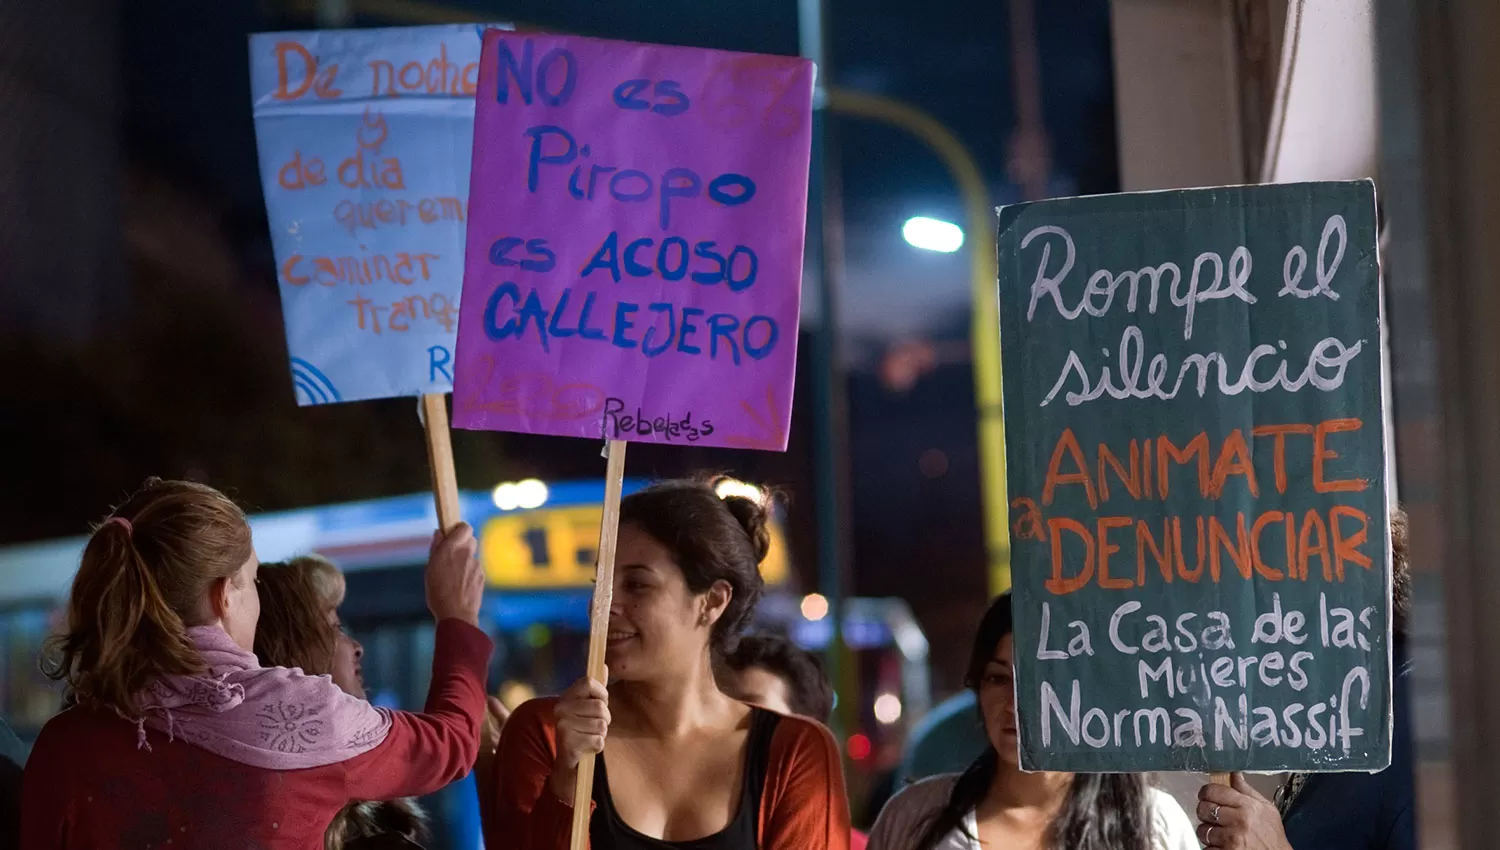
803, 806
89, 787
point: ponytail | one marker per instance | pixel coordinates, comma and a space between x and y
144, 578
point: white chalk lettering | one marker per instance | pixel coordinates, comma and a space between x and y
1329, 355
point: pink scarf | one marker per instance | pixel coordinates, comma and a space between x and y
273, 718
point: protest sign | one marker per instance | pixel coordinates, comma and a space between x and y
1197, 477
634, 262
364, 139
635, 241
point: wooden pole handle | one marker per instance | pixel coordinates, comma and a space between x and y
440, 458
1219, 779
604, 590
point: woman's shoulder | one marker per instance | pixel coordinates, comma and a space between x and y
924, 795
907, 813
538, 713
80, 727
1174, 829
798, 738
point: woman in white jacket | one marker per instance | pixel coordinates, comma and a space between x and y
993, 805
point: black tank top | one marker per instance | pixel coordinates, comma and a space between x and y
608, 831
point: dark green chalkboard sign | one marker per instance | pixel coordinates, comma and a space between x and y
1197, 469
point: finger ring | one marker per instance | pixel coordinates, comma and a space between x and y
1208, 837
1213, 814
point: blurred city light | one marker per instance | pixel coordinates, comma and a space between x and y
887, 709
521, 495
538, 635
727, 487
814, 607
859, 746
931, 234
531, 494
514, 692
506, 497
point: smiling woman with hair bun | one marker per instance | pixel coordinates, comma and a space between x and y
681, 764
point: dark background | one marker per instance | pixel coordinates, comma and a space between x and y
140, 321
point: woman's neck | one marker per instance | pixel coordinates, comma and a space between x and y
1043, 793
670, 706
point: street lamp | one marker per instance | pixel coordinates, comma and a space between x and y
931, 234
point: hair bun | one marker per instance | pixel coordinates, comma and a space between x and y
755, 518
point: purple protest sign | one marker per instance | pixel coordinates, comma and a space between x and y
634, 257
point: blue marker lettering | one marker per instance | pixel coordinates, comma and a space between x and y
677, 183
627, 174
633, 267
719, 186
663, 266
506, 62
436, 366
744, 283
679, 100
554, 326
688, 329
623, 309
772, 332
502, 247
553, 56
584, 330
706, 251
626, 95
666, 310
607, 257
537, 158
533, 311
594, 172
538, 248
492, 306
723, 324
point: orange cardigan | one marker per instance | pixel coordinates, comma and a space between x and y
803, 806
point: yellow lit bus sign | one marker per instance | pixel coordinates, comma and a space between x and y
557, 547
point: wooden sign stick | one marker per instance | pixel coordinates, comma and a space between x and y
1218, 779
440, 458
604, 592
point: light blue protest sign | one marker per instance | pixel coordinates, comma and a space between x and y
364, 139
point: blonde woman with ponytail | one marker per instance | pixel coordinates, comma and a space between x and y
178, 738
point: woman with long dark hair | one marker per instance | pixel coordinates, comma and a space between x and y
680, 764
993, 804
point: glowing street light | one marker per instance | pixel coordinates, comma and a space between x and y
887, 709
932, 234
814, 607
531, 494
520, 495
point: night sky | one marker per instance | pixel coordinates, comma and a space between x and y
187, 83
188, 121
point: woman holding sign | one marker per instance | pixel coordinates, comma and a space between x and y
299, 627
181, 739
993, 804
680, 764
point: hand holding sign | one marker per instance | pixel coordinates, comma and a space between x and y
1234, 814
